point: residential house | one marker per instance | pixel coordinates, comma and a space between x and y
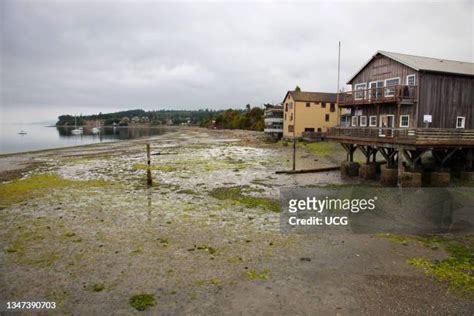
308, 112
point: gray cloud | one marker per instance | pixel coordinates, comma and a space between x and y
72, 57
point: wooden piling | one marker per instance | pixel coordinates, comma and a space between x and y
149, 180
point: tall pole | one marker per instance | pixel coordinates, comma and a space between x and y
294, 136
338, 75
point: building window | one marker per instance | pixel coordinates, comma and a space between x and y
333, 107
363, 121
290, 128
327, 117
323, 105
285, 116
373, 120
390, 86
460, 122
360, 91
308, 104
411, 80
404, 120
291, 116
354, 121
319, 129
309, 129
286, 107
290, 105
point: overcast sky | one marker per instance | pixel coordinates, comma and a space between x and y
86, 57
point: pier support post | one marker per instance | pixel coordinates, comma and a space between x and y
440, 178
388, 176
400, 166
349, 169
367, 171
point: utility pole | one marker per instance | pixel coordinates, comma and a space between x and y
294, 136
338, 75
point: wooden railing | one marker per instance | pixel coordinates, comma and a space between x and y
413, 136
396, 93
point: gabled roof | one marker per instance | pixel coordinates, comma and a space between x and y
311, 96
420, 63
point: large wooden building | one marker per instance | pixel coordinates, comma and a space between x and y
398, 90
403, 106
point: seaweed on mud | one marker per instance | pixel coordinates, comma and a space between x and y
163, 168
255, 275
21, 190
318, 148
236, 194
457, 270
142, 301
187, 191
98, 287
206, 248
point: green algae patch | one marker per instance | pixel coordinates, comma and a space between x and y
98, 287
142, 302
236, 194
395, 238
457, 270
163, 168
187, 191
37, 185
254, 275
318, 148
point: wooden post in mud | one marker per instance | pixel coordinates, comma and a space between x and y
149, 181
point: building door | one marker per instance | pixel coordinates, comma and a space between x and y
387, 123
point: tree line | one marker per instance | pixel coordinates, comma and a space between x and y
250, 118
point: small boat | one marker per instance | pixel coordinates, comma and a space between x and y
22, 132
77, 131
96, 129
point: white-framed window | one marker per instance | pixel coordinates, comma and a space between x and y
373, 120
404, 120
290, 106
360, 91
411, 81
390, 86
363, 121
376, 89
354, 120
460, 122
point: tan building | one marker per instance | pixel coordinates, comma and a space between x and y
308, 112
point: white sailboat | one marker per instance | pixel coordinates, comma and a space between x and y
76, 131
96, 130
22, 131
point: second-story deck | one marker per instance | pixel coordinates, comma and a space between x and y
391, 94
409, 137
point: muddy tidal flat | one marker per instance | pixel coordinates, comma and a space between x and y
79, 227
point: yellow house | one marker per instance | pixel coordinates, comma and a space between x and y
308, 112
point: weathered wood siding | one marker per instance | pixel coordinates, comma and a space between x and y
446, 97
381, 68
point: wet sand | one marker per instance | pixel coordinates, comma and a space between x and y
89, 234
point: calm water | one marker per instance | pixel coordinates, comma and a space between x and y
41, 137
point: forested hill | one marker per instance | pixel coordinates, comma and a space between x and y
251, 118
